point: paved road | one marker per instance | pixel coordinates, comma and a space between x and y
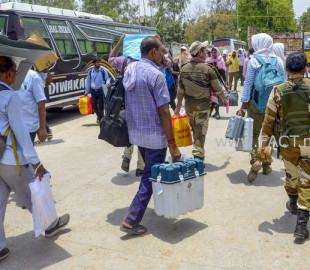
241, 226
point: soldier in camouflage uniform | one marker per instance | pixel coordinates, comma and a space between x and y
196, 78
288, 116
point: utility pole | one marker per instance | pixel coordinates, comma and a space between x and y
237, 3
144, 12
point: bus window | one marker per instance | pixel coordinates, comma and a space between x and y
86, 46
307, 42
32, 25
3, 20
63, 38
222, 44
96, 33
103, 49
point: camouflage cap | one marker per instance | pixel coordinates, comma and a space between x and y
196, 46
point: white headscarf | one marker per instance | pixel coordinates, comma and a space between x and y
262, 44
278, 49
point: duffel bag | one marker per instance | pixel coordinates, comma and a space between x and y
114, 130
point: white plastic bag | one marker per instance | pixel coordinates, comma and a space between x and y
43, 207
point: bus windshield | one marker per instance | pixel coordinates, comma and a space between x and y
222, 44
307, 41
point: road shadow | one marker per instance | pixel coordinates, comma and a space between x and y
14, 199
91, 125
125, 179
52, 142
285, 224
172, 231
28, 252
68, 113
271, 180
222, 118
212, 168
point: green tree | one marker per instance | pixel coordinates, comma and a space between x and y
266, 16
168, 18
211, 26
119, 10
66, 4
304, 20
217, 21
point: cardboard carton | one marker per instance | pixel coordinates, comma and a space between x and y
47, 60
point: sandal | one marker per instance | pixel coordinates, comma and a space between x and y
134, 230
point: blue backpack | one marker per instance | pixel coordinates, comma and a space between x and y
268, 77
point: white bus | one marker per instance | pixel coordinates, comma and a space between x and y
229, 44
75, 37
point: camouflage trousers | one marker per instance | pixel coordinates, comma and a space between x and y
199, 121
258, 119
128, 151
297, 166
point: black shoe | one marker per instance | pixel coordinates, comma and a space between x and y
196, 157
125, 164
291, 205
139, 173
301, 232
4, 253
62, 223
49, 135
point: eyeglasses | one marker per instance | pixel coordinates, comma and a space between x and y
14, 70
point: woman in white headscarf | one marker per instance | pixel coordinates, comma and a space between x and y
263, 46
279, 51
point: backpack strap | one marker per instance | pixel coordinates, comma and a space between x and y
89, 73
261, 60
273, 61
124, 66
301, 93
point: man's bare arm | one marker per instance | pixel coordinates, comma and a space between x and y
119, 44
166, 122
42, 133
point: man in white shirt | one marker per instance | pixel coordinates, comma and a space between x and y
33, 101
19, 162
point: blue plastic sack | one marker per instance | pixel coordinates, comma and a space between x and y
131, 46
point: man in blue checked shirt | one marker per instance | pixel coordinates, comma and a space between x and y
149, 123
96, 79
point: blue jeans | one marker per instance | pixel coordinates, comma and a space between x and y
144, 194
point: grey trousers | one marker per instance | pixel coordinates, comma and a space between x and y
11, 181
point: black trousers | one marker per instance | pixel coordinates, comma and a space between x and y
173, 95
97, 98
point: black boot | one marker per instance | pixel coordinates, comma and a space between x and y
301, 232
217, 113
291, 205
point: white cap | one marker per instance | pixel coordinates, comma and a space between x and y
183, 48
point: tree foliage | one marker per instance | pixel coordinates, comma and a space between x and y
119, 10
304, 20
66, 4
215, 21
266, 16
169, 18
